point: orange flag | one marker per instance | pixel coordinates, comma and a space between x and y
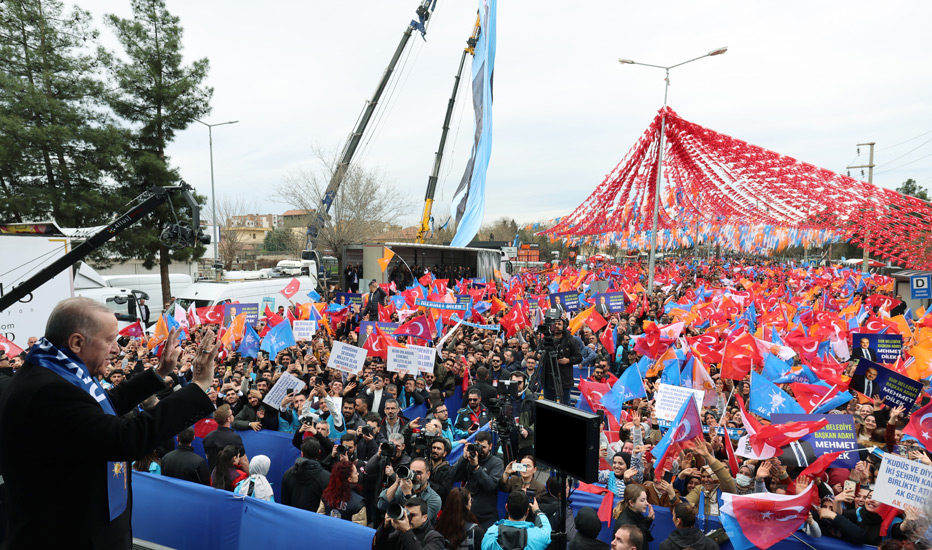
160, 334
387, 256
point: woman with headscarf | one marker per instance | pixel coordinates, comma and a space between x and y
257, 485
341, 498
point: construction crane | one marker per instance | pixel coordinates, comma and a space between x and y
438, 156
322, 215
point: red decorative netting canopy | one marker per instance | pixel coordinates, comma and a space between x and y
720, 189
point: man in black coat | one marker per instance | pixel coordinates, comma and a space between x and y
686, 534
304, 482
58, 387
184, 463
224, 435
482, 472
568, 354
372, 300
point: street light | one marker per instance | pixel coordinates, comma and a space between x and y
213, 194
663, 120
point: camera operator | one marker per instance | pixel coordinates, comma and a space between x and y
517, 532
368, 440
519, 406
471, 417
567, 353
412, 480
407, 528
441, 471
481, 470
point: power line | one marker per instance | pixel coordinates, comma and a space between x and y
907, 141
906, 153
906, 163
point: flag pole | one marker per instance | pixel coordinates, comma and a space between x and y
804, 542
725, 408
824, 397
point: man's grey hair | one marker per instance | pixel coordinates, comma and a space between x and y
397, 439
73, 315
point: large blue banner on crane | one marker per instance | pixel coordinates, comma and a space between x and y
469, 200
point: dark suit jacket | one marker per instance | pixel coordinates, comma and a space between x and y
56, 441
858, 353
144, 314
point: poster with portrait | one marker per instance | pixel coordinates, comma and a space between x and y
367, 328
838, 435
614, 301
230, 311
879, 348
347, 298
893, 388
569, 301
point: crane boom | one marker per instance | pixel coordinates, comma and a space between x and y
438, 156
323, 211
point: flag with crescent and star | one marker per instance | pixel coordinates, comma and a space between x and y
920, 426
685, 429
764, 519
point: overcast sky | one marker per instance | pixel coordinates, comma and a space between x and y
806, 79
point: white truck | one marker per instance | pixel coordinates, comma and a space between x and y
27, 317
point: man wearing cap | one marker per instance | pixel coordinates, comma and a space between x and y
371, 301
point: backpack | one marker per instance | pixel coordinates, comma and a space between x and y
511, 538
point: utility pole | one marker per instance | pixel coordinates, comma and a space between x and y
865, 258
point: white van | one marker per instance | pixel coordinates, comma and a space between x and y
210, 293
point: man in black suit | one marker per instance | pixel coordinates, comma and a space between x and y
224, 435
58, 387
866, 383
143, 312
373, 299
863, 351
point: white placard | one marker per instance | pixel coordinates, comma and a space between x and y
304, 330
901, 481
403, 360
346, 358
670, 400
425, 358
280, 390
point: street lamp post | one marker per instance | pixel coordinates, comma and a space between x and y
213, 193
663, 120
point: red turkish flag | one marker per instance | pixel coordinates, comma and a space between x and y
779, 435
273, 318
10, 348
595, 322
418, 327
821, 464
212, 315
130, 331
810, 395
608, 340
738, 357
291, 289
767, 519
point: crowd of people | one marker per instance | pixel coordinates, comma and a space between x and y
363, 460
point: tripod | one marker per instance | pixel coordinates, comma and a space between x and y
549, 366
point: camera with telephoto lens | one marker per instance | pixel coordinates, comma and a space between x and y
341, 449
396, 511
387, 450
403, 472
472, 448
367, 430
420, 445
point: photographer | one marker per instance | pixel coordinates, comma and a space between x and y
519, 405
516, 532
481, 470
412, 480
368, 440
566, 351
441, 471
408, 529
344, 451
381, 467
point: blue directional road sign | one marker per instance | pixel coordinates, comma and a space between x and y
920, 287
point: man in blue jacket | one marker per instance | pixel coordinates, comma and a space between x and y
516, 532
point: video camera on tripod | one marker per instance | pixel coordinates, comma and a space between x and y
547, 348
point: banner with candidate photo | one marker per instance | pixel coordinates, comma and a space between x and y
230, 311
838, 435
367, 328
347, 298
893, 388
879, 348
569, 301
614, 301
464, 299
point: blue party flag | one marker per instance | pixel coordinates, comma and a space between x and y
767, 398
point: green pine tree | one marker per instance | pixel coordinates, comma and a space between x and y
57, 144
159, 95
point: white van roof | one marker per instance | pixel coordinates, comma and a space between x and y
215, 292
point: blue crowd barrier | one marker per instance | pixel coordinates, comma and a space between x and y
179, 514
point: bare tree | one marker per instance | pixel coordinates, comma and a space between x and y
232, 242
364, 207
